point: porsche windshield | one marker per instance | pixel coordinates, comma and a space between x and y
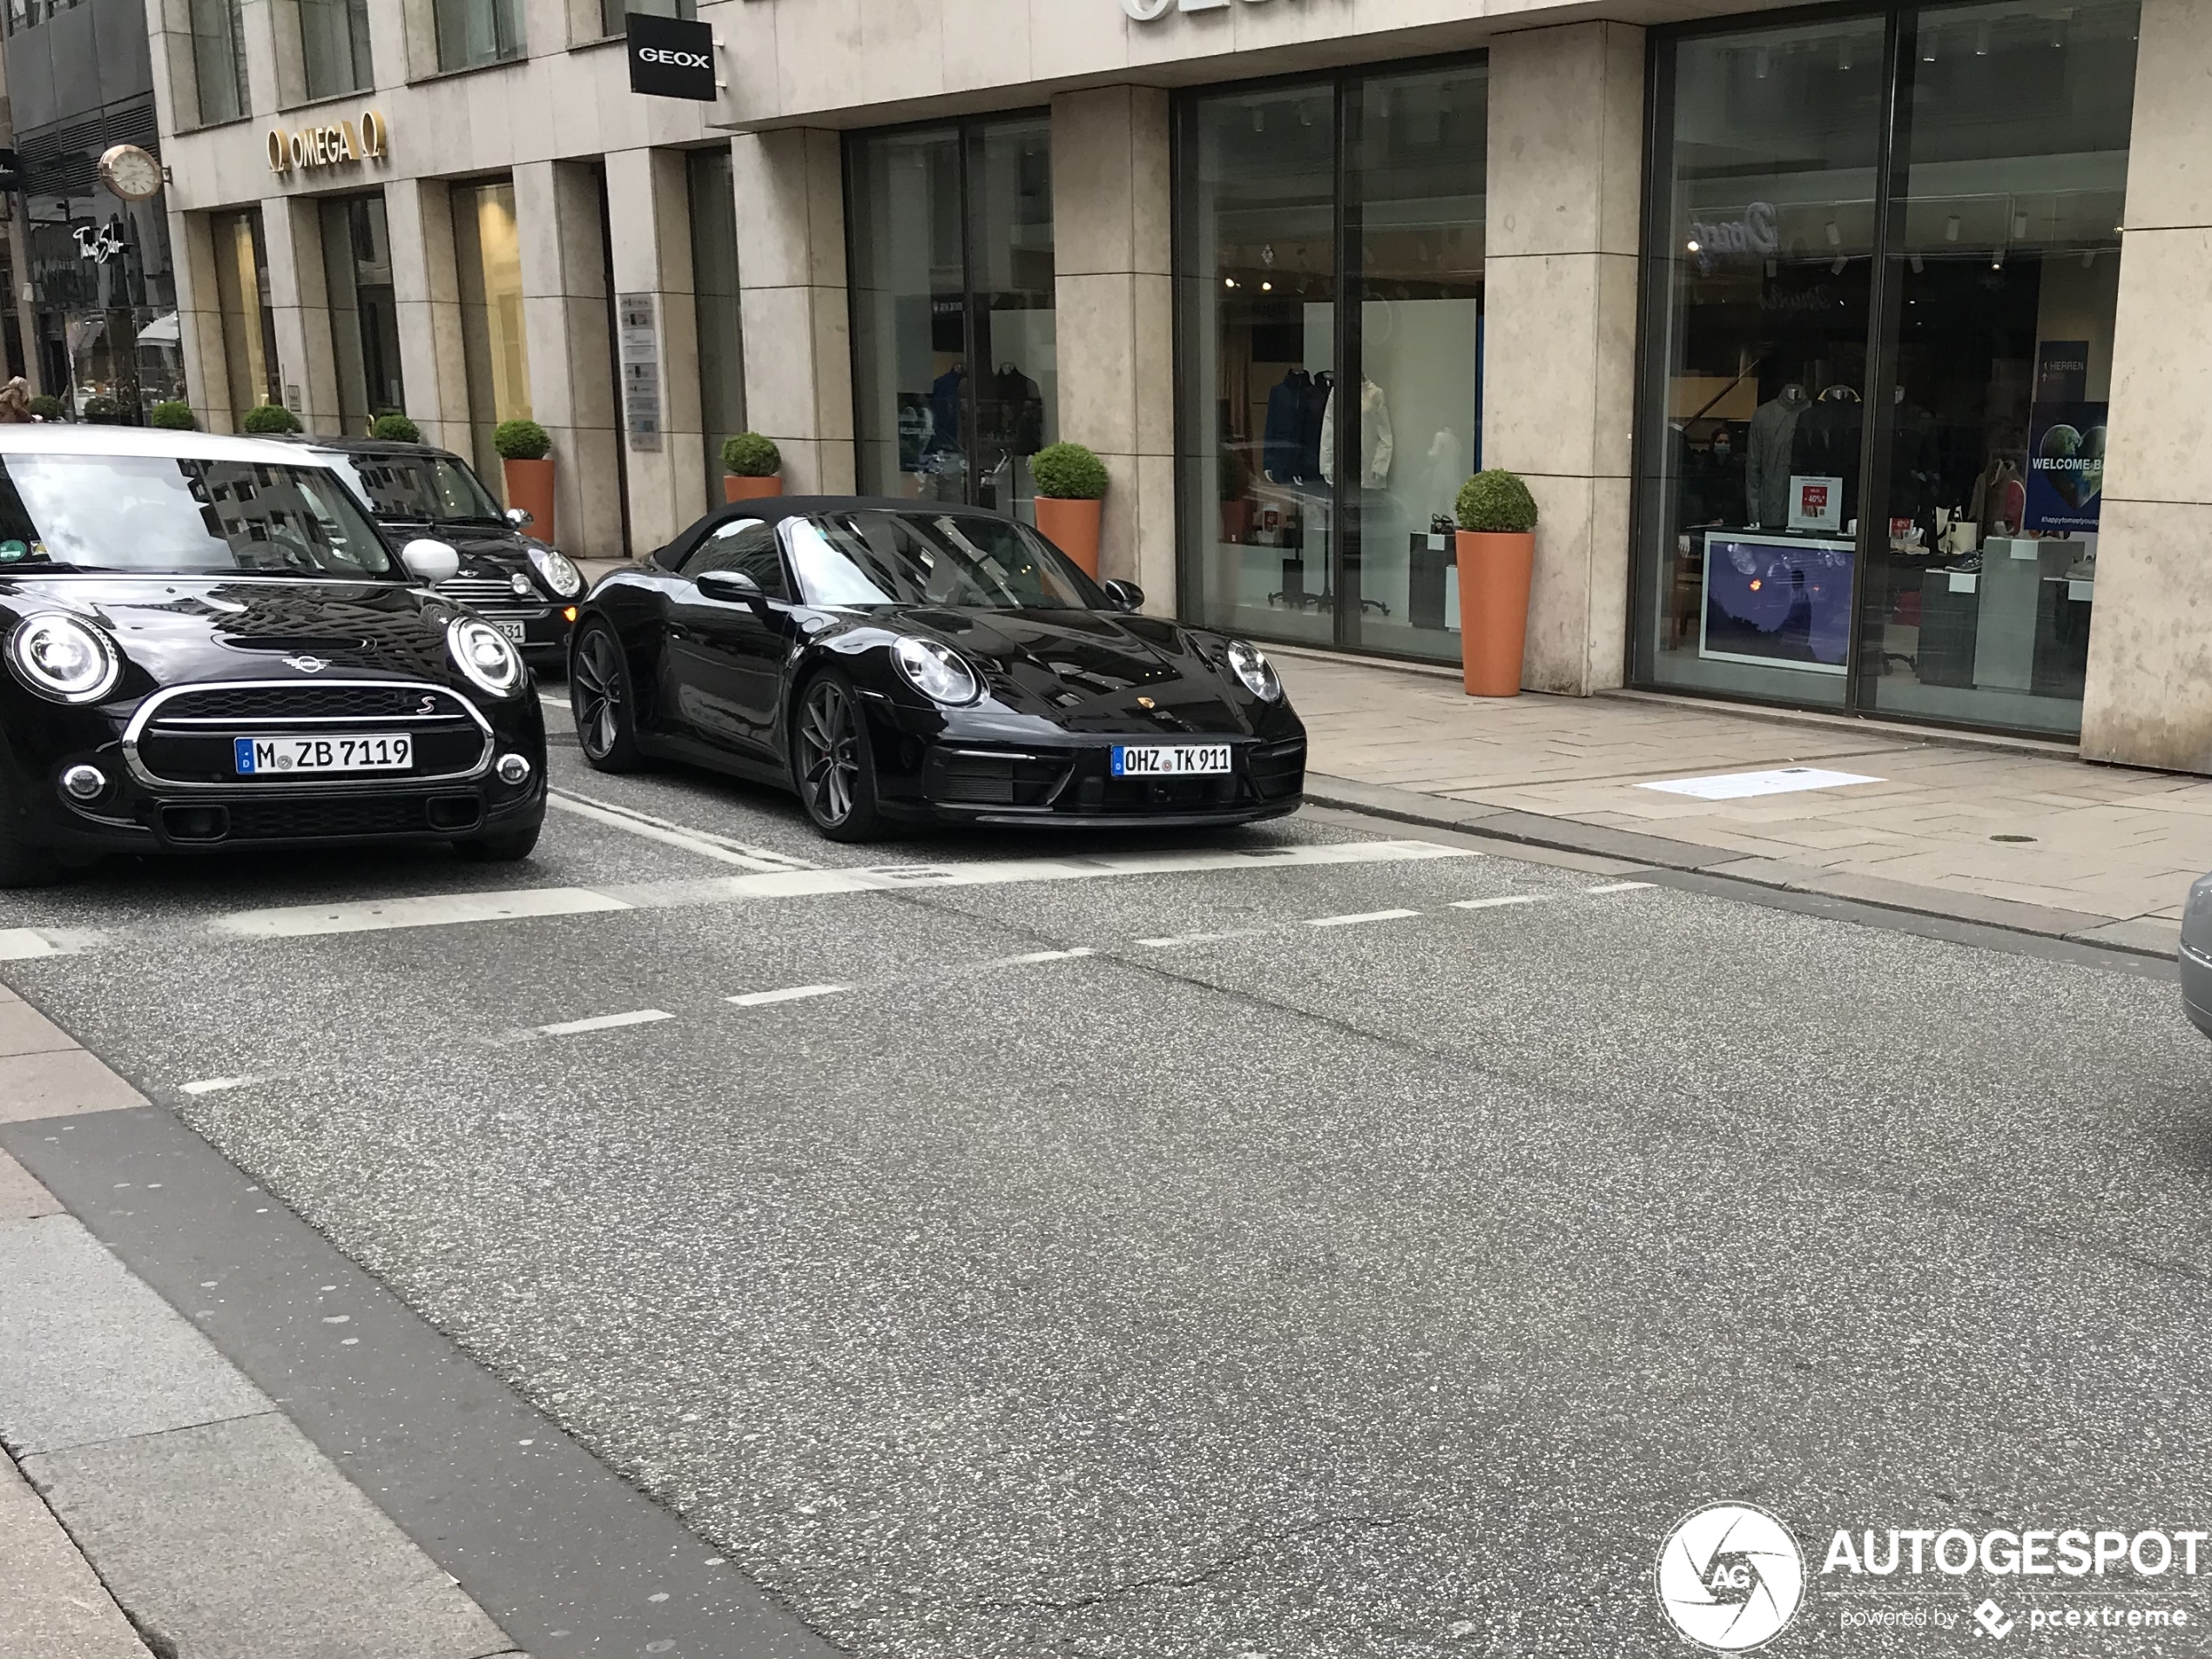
160, 515
435, 489
963, 560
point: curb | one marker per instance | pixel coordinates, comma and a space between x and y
1656, 851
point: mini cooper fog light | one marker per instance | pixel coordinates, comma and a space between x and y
521, 583
84, 783
514, 769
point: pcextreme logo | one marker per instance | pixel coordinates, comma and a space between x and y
1732, 1577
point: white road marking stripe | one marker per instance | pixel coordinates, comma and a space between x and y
1041, 957
1622, 886
215, 1085
1182, 938
1353, 921
794, 993
433, 910
553, 702
604, 1022
21, 944
707, 844
1494, 903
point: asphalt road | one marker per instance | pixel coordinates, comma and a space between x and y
1267, 1244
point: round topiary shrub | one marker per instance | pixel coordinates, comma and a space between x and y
521, 440
1497, 502
1068, 472
102, 411
173, 416
394, 428
269, 420
47, 406
750, 456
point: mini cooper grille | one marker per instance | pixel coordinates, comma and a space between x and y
202, 757
334, 818
489, 593
305, 702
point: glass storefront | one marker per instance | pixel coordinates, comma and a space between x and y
954, 348
1882, 271
715, 300
249, 325
1329, 234
364, 311
488, 260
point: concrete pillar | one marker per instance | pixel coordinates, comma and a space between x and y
1559, 327
434, 365
572, 357
200, 323
791, 288
649, 231
300, 306
1113, 292
2148, 699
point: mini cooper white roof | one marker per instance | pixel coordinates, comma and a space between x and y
60, 438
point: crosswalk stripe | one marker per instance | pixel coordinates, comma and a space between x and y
433, 910
1365, 916
604, 1022
792, 994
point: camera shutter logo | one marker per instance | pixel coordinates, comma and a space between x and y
1732, 1577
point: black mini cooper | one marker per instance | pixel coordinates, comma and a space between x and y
525, 588
208, 644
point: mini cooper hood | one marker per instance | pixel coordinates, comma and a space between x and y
485, 550
183, 627
1087, 670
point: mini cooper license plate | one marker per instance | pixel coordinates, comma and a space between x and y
258, 756
1171, 760
519, 633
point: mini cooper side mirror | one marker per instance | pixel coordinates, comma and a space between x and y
732, 588
1126, 595
431, 562
520, 517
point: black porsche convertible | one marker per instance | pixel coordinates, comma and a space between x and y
209, 644
894, 661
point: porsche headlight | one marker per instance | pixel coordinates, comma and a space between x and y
61, 657
1249, 664
937, 673
557, 570
485, 655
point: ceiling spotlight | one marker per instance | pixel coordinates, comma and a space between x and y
1691, 244
1267, 287
1997, 261
1951, 228
1229, 282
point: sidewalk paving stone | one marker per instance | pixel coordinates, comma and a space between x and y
52, 1605
24, 1030
59, 1083
21, 1197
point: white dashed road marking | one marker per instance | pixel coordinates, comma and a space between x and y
20, 944
215, 1085
704, 843
1170, 942
604, 1022
1495, 904
793, 994
1365, 916
435, 910
1027, 957
1622, 886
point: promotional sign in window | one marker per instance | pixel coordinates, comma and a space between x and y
1782, 602
1816, 503
2065, 467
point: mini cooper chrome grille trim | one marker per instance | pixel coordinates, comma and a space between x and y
275, 704
491, 595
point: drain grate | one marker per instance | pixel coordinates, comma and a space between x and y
2012, 840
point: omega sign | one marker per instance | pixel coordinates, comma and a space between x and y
335, 146
1153, 10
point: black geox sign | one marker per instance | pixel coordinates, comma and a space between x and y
671, 57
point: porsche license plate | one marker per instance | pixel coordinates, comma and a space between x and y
1171, 760
257, 757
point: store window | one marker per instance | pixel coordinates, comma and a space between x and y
488, 258
219, 59
474, 32
1873, 427
955, 352
715, 300
1330, 235
333, 45
249, 326
614, 15
364, 313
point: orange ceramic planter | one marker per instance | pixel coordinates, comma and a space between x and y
1495, 573
1072, 526
735, 488
530, 486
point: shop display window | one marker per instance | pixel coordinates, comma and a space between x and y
1329, 234
364, 313
955, 346
249, 326
488, 258
1882, 272
715, 305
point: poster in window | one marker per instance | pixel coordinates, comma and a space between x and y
2066, 467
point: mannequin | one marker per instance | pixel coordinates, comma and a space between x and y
1826, 445
1766, 456
2001, 497
1376, 441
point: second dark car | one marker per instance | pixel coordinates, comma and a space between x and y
897, 661
521, 586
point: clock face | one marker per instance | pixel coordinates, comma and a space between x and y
130, 172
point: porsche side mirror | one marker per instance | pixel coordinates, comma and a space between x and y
520, 517
732, 588
431, 562
1126, 595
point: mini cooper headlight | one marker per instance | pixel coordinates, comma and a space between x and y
557, 570
485, 655
937, 673
62, 659
1249, 664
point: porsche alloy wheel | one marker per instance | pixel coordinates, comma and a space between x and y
836, 772
598, 690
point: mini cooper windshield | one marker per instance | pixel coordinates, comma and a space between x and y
435, 489
159, 516
966, 561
